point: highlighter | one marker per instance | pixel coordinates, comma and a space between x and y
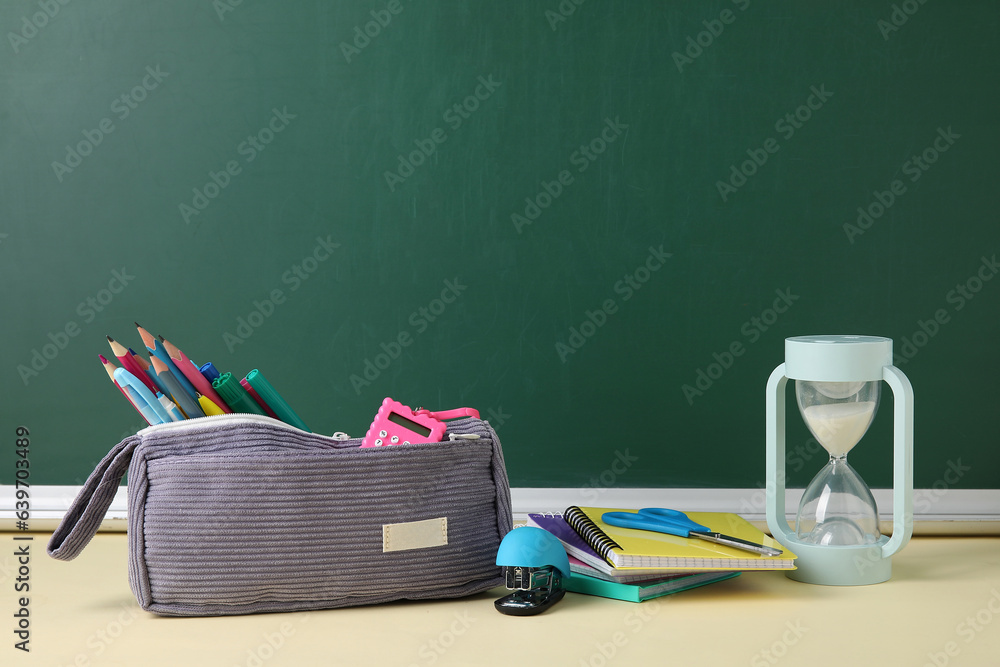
235, 395
209, 407
274, 400
260, 401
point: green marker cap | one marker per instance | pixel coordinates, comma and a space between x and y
274, 400
235, 396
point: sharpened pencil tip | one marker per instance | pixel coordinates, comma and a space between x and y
101, 357
110, 339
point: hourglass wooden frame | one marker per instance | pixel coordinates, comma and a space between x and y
841, 359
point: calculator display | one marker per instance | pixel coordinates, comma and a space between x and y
396, 418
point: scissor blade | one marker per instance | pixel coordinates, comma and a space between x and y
737, 543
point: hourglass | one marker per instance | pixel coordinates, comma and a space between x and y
838, 381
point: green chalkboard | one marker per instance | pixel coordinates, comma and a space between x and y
596, 222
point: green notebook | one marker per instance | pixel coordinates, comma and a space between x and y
638, 592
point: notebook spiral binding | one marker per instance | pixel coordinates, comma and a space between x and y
590, 532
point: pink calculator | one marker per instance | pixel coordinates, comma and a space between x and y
398, 424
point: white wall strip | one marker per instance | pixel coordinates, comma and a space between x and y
935, 511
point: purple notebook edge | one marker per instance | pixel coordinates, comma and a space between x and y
563, 532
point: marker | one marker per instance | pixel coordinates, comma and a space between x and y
235, 395
255, 396
274, 399
111, 368
187, 404
129, 363
160, 352
190, 371
211, 408
141, 397
210, 372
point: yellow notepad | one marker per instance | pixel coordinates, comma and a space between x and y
644, 549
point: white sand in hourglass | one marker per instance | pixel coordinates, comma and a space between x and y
839, 426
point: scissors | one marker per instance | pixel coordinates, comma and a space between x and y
673, 522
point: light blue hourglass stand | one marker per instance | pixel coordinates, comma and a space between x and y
841, 359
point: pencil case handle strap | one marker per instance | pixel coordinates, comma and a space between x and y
88, 509
450, 414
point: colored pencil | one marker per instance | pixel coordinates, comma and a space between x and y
156, 348
190, 371
148, 370
129, 363
187, 404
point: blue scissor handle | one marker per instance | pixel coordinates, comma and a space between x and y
658, 519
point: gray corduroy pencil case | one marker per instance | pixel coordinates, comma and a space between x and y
240, 514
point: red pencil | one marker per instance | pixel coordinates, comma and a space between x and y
129, 362
194, 376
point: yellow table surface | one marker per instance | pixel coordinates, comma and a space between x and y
941, 607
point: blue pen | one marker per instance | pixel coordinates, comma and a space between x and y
147, 412
210, 372
170, 407
141, 395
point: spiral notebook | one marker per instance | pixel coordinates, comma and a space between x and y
632, 548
